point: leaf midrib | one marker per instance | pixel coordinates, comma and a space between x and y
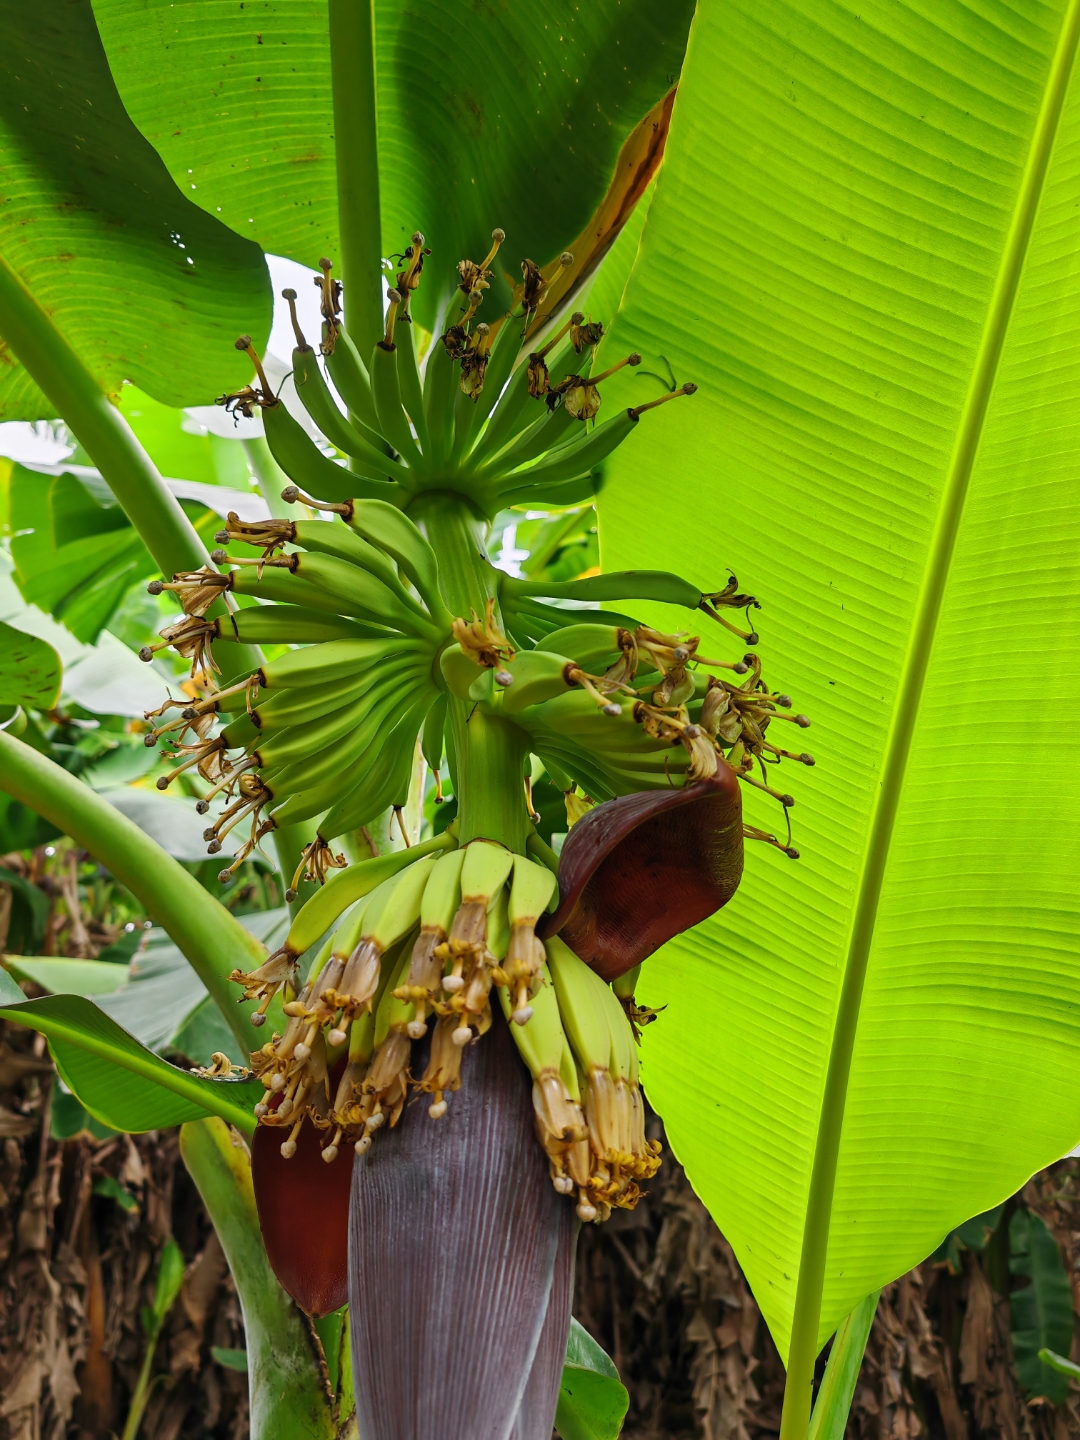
808, 1296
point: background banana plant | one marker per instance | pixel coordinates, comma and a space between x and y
861, 247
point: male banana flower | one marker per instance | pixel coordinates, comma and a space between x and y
455, 1057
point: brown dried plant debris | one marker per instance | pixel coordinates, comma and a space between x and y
76, 1267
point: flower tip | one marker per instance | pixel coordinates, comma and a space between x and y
585, 1211
461, 1036
242, 342
302, 1052
290, 896
336, 1037
523, 1015
563, 1184
452, 983
146, 654
611, 708
803, 722
163, 782
753, 638
258, 1018
498, 235
438, 1110
290, 494
363, 1145
416, 1029
288, 1149
329, 1153
155, 587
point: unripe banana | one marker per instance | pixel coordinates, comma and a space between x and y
386, 778
572, 461
411, 386
433, 735
347, 886
581, 1006
349, 374
337, 660
560, 1122
372, 477
278, 585
300, 704
538, 675
321, 406
391, 913
458, 671
386, 390
593, 647
658, 585
360, 593
442, 896
295, 744
391, 530
291, 625
530, 895
340, 540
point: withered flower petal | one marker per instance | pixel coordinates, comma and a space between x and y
303, 1206
640, 869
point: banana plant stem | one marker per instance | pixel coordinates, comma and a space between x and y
270, 476
106, 437
288, 1401
99, 426
356, 149
213, 941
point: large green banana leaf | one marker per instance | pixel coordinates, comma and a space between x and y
864, 249
508, 115
144, 284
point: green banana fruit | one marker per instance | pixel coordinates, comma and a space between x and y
300, 704
593, 647
316, 399
337, 660
442, 896
345, 543
349, 374
574, 460
537, 675
291, 625
411, 385
359, 593
658, 585
530, 895
374, 476
386, 390
347, 886
384, 779
391, 530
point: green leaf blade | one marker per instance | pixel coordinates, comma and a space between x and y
145, 284
515, 122
119, 1081
856, 183
30, 670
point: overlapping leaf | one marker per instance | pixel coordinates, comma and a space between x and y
142, 282
830, 254
510, 115
118, 1080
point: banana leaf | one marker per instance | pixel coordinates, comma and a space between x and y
140, 280
862, 248
513, 117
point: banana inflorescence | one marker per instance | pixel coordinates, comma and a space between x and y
390, 628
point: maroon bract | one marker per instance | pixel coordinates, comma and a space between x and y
303, 1208
637, 870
